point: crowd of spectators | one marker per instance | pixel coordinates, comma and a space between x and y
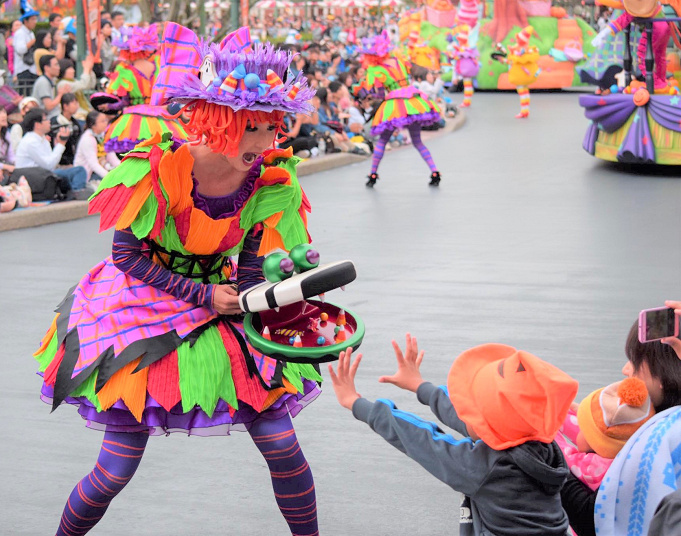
46, 120
40, 65
332, 64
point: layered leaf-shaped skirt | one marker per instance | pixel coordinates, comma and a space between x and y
404, 107
133, 358
140, 123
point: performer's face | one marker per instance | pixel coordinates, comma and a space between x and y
256, 139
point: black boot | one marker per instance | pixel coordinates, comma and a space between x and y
372, 180
434, 179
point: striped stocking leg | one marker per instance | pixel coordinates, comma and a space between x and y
467, 92
118, 460
415, 133
379, 149
291, 475
524, 94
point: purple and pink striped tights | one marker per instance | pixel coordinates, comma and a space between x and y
121, 454
415, 133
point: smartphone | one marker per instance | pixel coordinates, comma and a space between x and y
656, 324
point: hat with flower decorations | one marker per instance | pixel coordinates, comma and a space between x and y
378, 45
136, 39
234, 73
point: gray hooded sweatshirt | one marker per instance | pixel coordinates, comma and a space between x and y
508, 492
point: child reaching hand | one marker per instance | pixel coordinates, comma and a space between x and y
508, 405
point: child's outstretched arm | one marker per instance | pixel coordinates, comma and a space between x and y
408, 375
461, 464
441, 406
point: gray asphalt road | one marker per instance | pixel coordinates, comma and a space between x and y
529, 241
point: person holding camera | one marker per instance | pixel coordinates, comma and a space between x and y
34, 149
45, 88
638, 479
69, 106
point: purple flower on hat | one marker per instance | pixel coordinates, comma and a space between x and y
378, 45
138, 39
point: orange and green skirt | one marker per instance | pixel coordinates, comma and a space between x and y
400, 112
139, 123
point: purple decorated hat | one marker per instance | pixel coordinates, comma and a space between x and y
378, 45
234, 73
135, 40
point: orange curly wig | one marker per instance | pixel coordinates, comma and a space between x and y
223, 128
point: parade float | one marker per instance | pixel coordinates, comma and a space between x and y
564, 43
640, 124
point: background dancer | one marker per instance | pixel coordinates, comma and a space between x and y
404, 105
129, 91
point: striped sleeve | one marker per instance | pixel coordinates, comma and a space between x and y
621, 22
249, 272
128, 257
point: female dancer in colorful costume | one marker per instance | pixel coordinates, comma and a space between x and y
404, 105
467, 64
523, 68
149, 342
130, 90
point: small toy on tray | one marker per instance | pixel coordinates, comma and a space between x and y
283, 320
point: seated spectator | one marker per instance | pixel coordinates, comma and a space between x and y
44, 89
596, 430
35, 151
17, 131
6, 152
87, 81
637, 480
299, 136
359, 119
69, 106
329, 127
90, 151
43, 47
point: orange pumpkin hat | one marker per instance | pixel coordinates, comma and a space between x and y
508, 396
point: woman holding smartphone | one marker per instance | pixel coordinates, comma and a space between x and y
640, 476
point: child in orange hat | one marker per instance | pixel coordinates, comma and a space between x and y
591, 436
508, 405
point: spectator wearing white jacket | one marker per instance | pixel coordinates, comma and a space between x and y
34, 149
88, 154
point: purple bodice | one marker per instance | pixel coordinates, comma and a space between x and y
227, 205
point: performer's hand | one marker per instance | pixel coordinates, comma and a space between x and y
344, 381
226, 300
408, 375
598, 41
674, 342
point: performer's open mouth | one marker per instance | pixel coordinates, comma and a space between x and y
249, 158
